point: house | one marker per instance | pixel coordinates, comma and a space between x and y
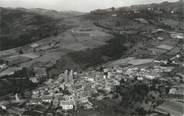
47, 98
35, 45
83, 99
160, 38
136, 11
4, 104
114, 15
100, 97
35, 101
177, 35
181, 76
66, 105
177, 90
55, 102
157, 31
108, 88
40, 73
69, 97
87, 105
3, 66
160, 34
34, 80
151, 77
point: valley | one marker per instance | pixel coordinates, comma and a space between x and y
118, 61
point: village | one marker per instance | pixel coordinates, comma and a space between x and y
155, 63
72, 91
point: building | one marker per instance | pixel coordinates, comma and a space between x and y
67, 103
35, 45
34, 80
68, 76
47, 98
40, 74
177, 90
3, 66
177, 35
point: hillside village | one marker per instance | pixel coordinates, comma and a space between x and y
110, 62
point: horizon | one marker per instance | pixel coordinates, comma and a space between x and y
80, 6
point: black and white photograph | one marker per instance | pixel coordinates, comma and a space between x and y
91, 57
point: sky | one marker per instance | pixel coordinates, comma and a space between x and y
74, 5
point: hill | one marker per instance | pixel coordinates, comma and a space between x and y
21, 26
90, 39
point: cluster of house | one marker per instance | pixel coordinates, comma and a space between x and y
40, 75
134, 10
160, 43
173, 101
142, 73
72, 90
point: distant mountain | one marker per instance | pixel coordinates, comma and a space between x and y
54, 13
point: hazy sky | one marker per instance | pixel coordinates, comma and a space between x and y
78, 5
